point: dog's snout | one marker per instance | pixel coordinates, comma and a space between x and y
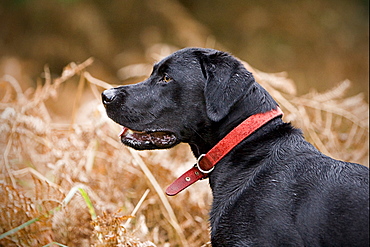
108, 96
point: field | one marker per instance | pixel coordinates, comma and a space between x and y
69, 182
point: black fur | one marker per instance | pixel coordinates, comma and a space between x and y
274, 188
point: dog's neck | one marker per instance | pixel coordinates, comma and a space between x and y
215, 131
203, 147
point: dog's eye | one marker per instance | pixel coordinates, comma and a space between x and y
166, 78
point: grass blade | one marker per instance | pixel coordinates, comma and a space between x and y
14, 230
88, 203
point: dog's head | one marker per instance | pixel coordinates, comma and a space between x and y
187, 94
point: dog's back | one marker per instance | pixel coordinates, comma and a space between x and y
294, 196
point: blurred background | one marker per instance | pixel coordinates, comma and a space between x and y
319, 42
57, 142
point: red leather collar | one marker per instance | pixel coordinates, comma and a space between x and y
206, 162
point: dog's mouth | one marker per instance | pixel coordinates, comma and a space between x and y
147, 140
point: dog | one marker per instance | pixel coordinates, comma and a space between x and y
271, 188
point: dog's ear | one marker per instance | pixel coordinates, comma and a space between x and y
227, 82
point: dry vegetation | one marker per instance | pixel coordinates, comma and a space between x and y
71, 183
74, 184
47, 167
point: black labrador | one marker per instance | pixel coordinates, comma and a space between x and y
273, 188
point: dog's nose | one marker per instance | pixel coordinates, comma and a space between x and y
108, 96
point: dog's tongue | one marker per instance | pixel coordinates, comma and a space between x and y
123, 131
159, 139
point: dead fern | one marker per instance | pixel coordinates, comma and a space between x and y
17, 209
110, 231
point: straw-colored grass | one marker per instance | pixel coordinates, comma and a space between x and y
74, 184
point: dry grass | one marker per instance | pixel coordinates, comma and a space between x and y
74, 184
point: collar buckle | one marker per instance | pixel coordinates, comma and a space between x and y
197, 165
